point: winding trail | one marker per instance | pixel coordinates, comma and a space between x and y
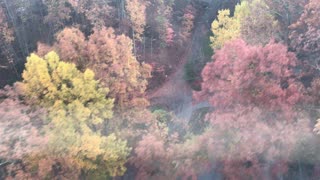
176, 94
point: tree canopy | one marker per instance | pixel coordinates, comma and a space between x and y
77, 108
159, 89
252, 75
225, 27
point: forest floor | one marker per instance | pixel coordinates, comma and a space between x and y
176, 94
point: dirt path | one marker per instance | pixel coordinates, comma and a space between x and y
176, 94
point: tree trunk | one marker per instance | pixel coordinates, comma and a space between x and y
134, 43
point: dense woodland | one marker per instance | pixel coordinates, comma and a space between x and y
160, 89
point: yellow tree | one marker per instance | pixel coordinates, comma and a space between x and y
225, 27
252, 21
77, 108
111, 58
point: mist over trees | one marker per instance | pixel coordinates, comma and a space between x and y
159, 89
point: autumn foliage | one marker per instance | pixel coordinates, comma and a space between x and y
252, 75
260, 25
111, 57
77, 108
6, 33
227, 27
270, 143
257, 96
19, 134
305, 35
80, 106
136, 10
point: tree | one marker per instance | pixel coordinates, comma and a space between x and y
226, 28
155, 138
149, 150
159, 19
286, 12
71, 45
137, 15
19, 15
110, 56
48, 81
5, 31
255, 92
252, 21
6, 37
77, 107
250, 147
59, 12
20, 133
112, 59
305, 35
248, 75
156, 154
97, 11
188, 22
260, 25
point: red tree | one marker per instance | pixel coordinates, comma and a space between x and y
253, 89
20, 134
248, 75
305, 35
248, 146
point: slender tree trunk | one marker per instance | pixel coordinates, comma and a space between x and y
40, 28
280, 176
26, 46
12, 19
267, 171
8, 52
134, 43
121, 9
300, 170
144, 46
151, 50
